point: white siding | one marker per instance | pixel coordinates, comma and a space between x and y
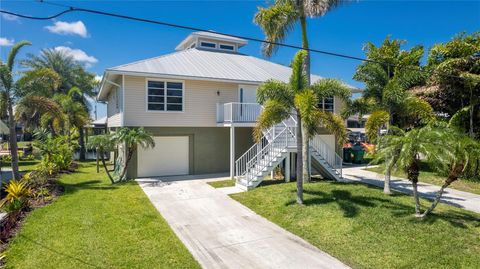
199, 104
114, 107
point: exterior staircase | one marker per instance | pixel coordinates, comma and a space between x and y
276, 143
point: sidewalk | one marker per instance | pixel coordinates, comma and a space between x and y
222, 233
465, 200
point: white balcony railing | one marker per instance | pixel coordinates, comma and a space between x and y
238, 112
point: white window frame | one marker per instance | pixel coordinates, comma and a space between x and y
225, 44
165, 95
323, 105
214, 43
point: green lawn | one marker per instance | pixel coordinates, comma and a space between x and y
25, 166
222, 183
97, 225
429, 176
364, 228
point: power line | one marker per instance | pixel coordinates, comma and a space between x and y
71, 9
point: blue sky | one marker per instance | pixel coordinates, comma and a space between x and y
102, 42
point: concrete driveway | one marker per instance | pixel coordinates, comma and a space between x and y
222, 233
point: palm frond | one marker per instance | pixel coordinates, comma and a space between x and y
275, 90
375, 122
306, 104
273, 112
298, 79
14, 51
276, 22
335, 125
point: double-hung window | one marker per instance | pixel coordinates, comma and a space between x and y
164, 96
327, 104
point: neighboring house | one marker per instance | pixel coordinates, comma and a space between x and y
200, 104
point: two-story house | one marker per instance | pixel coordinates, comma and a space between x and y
200, 104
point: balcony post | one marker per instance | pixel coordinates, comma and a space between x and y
232, 152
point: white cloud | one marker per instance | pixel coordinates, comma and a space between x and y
78, 54
68, 28
5, 41
98, 78
9, 17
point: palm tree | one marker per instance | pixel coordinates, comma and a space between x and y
406, 147
279, 19
386, 97
280, 99
72, 75
102, 144
76, 116
9, 88
131, 138
460, 154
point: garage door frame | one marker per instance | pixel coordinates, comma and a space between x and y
189, 156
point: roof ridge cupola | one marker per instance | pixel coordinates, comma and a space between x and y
211, 41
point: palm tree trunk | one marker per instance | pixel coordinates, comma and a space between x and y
127, 161
412, 173
452, 176
386, 184
305, 153
299, 160
13, 140
306, 67
81, 142
106, 169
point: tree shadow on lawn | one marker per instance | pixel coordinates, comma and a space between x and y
86, 185
64, 255
352, 204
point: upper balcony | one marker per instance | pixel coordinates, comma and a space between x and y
238, 114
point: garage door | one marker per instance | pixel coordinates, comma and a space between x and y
168, 157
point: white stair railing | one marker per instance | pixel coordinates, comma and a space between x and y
330, 156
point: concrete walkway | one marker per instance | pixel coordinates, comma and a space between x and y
465, 200
222, 233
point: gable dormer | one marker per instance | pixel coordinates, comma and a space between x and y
211, 41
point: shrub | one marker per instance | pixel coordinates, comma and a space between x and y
17, 196
57, 153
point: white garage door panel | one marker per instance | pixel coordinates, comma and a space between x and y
168, 157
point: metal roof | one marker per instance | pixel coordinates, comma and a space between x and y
201, 64
209, 64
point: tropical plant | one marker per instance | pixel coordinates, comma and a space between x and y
102, 144
130, 139
281, 99
460, 156
57, 151
402, 150
72, 75
76, 116
388, 74
279, 19
455, 79
17, 195
8, 91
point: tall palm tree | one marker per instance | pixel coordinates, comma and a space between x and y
406, 147
280, 18
386, 97
8, 88
72, 75
280, 99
